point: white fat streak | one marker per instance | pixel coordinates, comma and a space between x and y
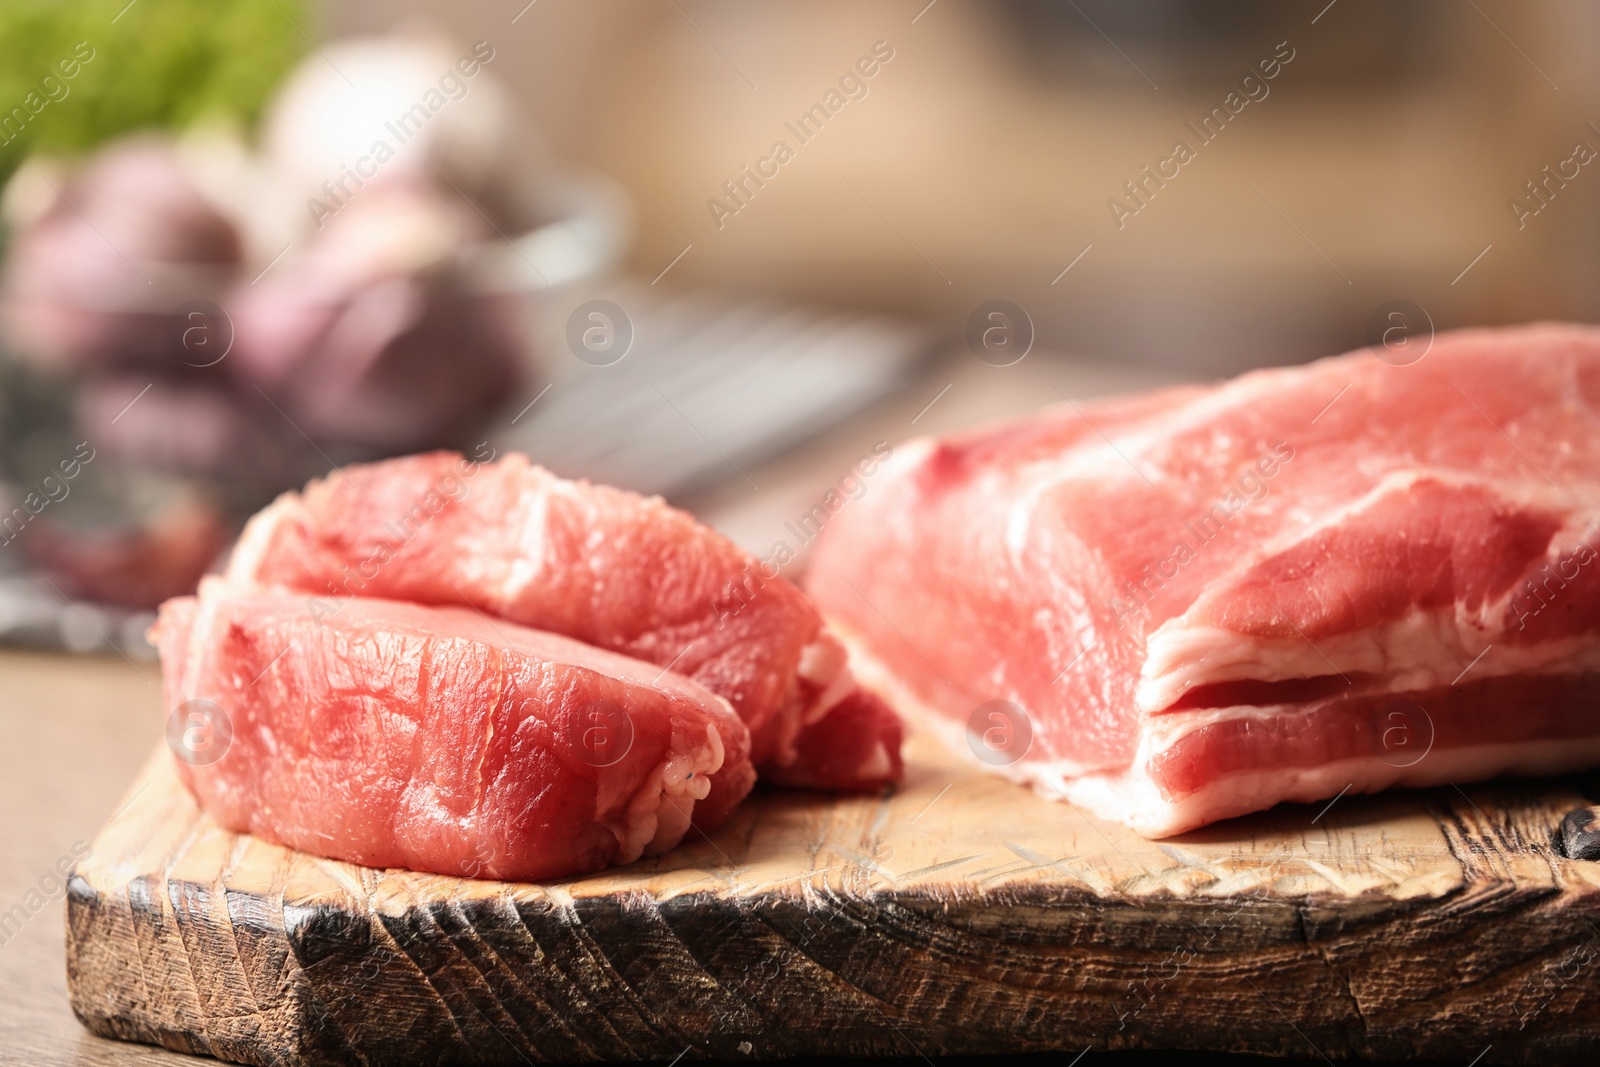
821, 660
1132, 458
825, 664
527, 562
663, 806
1127, 795
1022, 512
1134, 455
718, 753
1164, 730
1143, 446
1096, 465
910, 455
249, 552
1425, 648
1133, 799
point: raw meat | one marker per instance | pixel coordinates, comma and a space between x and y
1204, 601
604, 566
396, 735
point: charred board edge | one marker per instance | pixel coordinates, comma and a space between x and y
508, 979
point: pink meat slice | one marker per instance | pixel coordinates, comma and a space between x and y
396, 735
1205, 601
605, 566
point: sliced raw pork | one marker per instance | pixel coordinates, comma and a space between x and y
1186, 606
397, 735
604, 566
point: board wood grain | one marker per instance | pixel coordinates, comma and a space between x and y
957, 913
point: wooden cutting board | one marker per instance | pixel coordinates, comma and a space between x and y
957, 914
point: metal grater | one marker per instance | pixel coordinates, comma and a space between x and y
710, 385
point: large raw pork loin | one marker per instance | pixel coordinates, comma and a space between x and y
1185, 606
398, 735
608, 567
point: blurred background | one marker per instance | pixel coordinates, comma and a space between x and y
683, 245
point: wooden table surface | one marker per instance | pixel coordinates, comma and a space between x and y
76, 729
